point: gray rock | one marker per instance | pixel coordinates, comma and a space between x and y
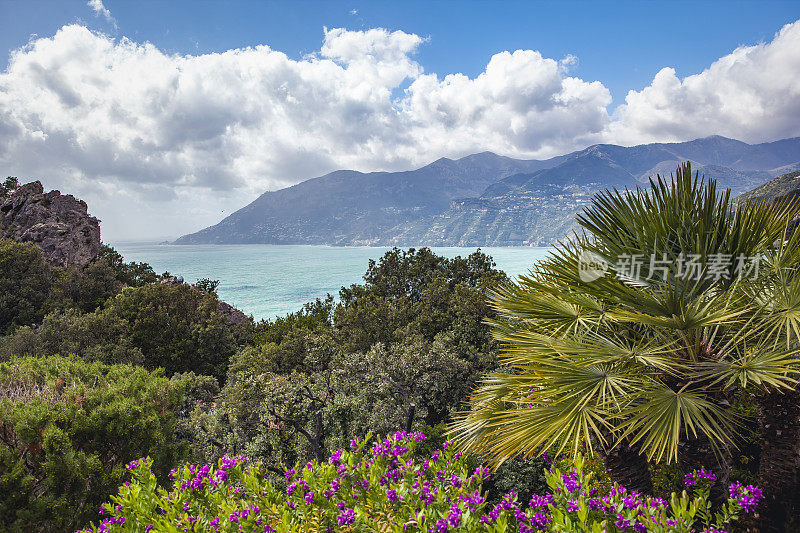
58, 224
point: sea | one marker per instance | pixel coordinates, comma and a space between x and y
268, 281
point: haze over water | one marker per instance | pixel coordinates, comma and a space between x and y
273, 280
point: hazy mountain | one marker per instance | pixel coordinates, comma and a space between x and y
482, 199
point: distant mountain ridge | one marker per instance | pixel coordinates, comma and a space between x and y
483, 199
783, 185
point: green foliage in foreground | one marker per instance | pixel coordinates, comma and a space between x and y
67, 430
385, 486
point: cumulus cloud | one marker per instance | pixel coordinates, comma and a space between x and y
752, 94
143, 134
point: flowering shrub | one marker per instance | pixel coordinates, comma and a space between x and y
381, 486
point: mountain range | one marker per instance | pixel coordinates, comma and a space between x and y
483, 199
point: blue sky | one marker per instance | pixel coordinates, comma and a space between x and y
163, 115
622, 43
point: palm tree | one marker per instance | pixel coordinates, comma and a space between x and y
640, 364
776, 296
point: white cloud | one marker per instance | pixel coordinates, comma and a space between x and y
752, 94
101, 11
161, 144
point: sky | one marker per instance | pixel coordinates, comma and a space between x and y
167, 116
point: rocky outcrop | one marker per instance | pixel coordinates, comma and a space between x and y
231, 314
58, 224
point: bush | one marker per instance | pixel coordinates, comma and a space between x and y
87, 288
25, 281
177, 328
67, 429
379, 486
97, 336
314, 317
417, 293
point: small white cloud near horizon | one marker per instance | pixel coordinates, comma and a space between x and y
101, 11
354, 11
141, 133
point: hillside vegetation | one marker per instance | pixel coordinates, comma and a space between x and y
435, 395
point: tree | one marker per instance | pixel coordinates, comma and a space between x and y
404, 347
25, 282
314, 317
417, 293
207, 285
67, 430
98, 336
274, 412
87, 288
641, 368
131, 274
8, 187
390, 387
177, 327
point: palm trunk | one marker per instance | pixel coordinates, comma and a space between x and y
697, 452
779, 466
626, 466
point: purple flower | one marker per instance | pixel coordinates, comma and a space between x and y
391, 495
571, 482
747, 497
622, 522
348, 516
538, 502
309, 498
454, 518
540, 520
574, 506
693, 478
631, 501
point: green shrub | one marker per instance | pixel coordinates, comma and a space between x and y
416, 293
25, 281
67, 429
98, 336
177, 328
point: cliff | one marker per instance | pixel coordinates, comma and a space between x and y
58, 224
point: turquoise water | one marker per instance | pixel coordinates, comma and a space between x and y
268, 280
